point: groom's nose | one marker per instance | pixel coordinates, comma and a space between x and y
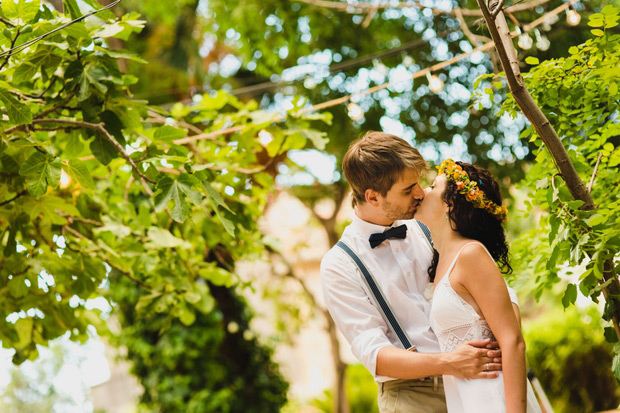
418, 192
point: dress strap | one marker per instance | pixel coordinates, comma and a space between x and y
447, 274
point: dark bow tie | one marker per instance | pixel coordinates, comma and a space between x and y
379, 237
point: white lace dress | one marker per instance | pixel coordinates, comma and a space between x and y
455, 322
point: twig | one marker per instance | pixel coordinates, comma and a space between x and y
362, 7
8, 56
126, 274
22, 193
72, 218
53, 108
369, 17
598, 161
95, 126
52, 245
129, 182
495, 8
26, 97
29, 43
6, 22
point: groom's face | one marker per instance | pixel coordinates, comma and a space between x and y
403, 198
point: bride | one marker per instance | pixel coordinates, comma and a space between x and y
470, 301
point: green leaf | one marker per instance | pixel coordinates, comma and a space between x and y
103, 150
113, 125
598, 32
83, 286
531, 60
109, 30
20, 9
610, 335
570, 295
176, 191
186, 316
73, 8
217, 276
40, 170
215, 200
24, 328
162, 238
19, 113
615, 367
78, 170
115, 227
17, 286
167, 133
596, 220
47, 206
317, 138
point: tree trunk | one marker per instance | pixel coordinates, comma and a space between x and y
500, 33
341, 401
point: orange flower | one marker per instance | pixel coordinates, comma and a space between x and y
460, 184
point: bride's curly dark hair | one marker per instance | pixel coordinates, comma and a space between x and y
475, 223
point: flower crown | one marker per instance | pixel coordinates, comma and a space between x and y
470, 189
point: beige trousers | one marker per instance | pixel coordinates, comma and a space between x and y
412, 396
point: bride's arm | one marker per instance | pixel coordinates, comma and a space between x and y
478, 274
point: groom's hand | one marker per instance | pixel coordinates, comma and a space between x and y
476, 359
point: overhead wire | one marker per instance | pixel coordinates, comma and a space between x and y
418, 74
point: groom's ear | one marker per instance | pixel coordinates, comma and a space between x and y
372, 197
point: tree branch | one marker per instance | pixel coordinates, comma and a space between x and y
8, 201
14, 50
508, 56
591, 184
8, 56
100, 127
54, 108
368, 7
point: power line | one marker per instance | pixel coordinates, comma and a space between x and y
418, 74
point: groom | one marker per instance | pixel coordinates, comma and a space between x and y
383, 171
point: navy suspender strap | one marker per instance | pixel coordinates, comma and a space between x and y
427, 233
383, 305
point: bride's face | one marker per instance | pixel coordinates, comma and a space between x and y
433, 209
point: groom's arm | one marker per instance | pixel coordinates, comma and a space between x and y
467, 361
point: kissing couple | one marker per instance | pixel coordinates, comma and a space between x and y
415, 284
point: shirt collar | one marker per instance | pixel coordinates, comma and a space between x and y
366, 229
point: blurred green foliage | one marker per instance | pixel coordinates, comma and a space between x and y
572, 360
361, 392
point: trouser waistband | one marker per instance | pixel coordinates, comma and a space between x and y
434, 381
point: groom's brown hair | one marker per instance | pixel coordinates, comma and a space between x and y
376, 161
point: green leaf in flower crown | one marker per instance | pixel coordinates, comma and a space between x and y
19, 113
40, 170
177, 191
78, 171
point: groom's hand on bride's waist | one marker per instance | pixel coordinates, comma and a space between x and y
476, 359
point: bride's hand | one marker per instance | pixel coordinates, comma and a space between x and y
476, 359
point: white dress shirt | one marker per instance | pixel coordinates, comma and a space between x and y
400, 269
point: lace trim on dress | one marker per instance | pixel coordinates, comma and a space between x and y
453, 337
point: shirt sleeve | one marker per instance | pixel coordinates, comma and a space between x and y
351, 309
